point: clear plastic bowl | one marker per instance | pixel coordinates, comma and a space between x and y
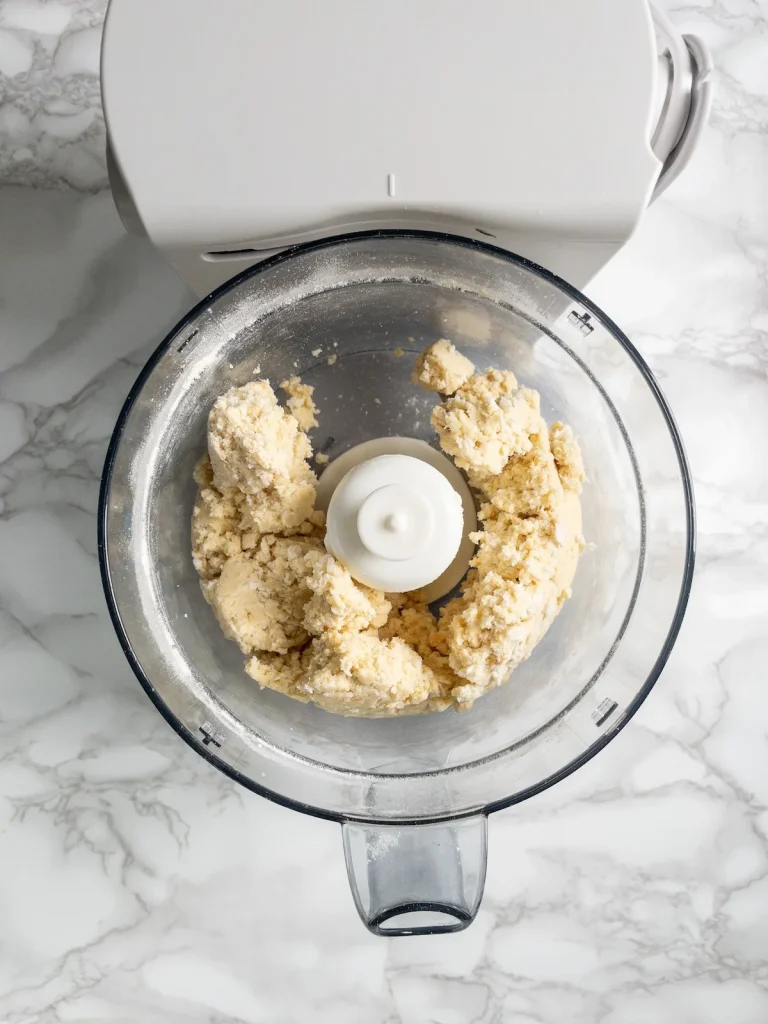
412, 793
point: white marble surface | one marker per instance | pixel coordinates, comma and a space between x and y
137, 884
51, 124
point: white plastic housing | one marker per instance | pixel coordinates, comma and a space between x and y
240, 127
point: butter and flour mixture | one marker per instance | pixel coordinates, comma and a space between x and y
307, 628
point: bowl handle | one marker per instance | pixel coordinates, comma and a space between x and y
417, 879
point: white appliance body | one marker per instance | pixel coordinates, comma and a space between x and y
238, 128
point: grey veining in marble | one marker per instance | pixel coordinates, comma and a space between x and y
51, 124
137, 884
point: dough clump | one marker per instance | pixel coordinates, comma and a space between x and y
300, 403
255, 447
442, 368
307, 628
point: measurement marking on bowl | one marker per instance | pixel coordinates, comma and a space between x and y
581, 322
603, 711
210, 735
187, 340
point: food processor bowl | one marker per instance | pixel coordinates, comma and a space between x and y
412, 793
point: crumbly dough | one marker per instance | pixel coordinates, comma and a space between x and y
531, 539
260, 596
567, 455
340, 604
442, 368
300, 401
351, 674
488, 422
216, 519
258, 448
310, 630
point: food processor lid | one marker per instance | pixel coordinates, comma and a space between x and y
259, 124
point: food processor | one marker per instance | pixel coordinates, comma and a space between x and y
381, 177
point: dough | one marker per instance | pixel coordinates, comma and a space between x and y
351, 674
257, 447
567, 456
260, 596
442, 368
340, 603
413, 622
531, 539
488, 421
300, 402
216, 517
523, 572
313, 632
309, 629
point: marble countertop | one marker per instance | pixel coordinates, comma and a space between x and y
139, 885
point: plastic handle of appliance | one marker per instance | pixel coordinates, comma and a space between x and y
676, 77
417, 879
698, 113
